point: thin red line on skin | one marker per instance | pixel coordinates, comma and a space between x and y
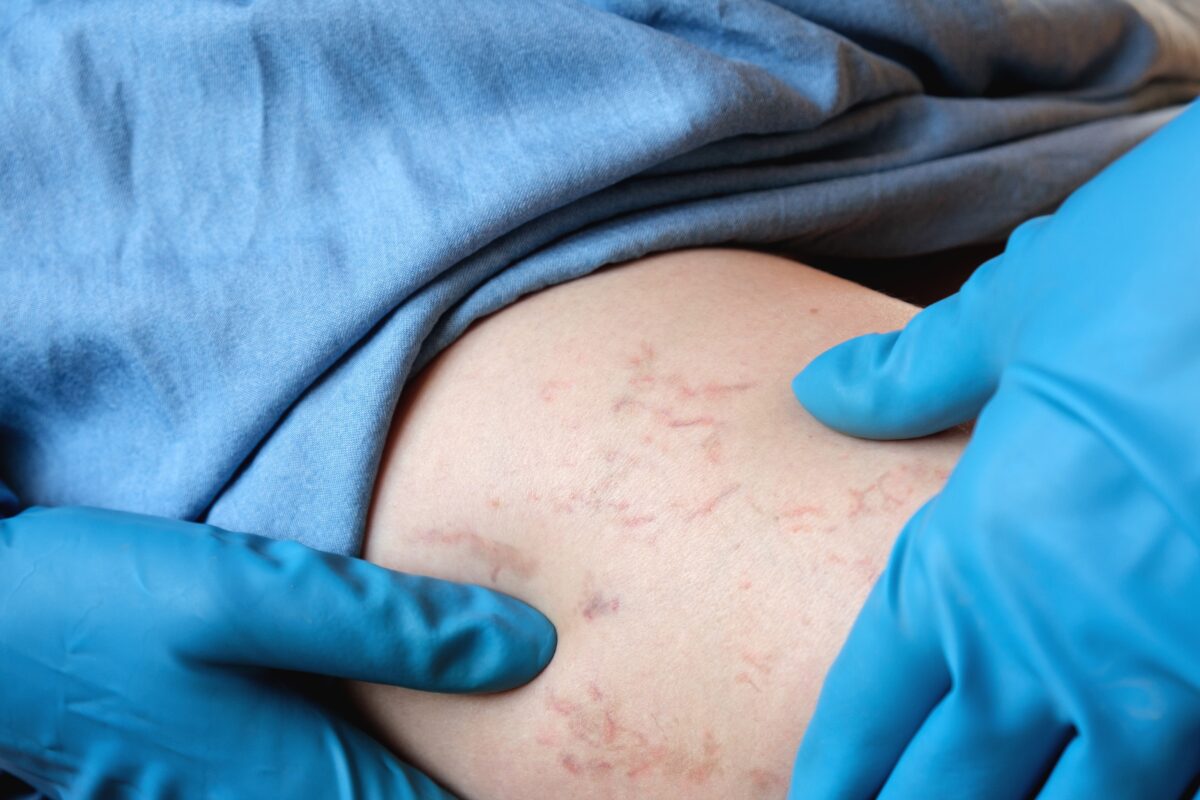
705, 420
712, 448
760, 663
801, 514
609, 745
559, 706
801, 511
644, 357
744, 677
888, 492
862, 566
711, 764
712, 390
652, 758
595, 602
600, 606
710, 505
626, 401
664, 415
608, 733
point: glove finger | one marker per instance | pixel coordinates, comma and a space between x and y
888, 677
361, 767
934, 374
282, 605
340, 763
982, 745
393, 784
1139, 762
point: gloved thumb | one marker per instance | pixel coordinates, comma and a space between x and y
934, 374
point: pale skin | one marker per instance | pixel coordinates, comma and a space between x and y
624, 452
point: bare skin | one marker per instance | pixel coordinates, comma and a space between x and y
624, 453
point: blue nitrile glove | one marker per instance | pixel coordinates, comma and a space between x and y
1039, 620
140, 657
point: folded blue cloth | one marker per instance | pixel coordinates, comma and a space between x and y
8, 507
229, 231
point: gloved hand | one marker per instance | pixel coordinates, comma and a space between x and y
139, 657
1036, 631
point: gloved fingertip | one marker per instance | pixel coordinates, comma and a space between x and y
932, 375
849, 388
532, 643
548, 648
535, 628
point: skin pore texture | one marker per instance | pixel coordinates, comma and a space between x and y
624, 452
